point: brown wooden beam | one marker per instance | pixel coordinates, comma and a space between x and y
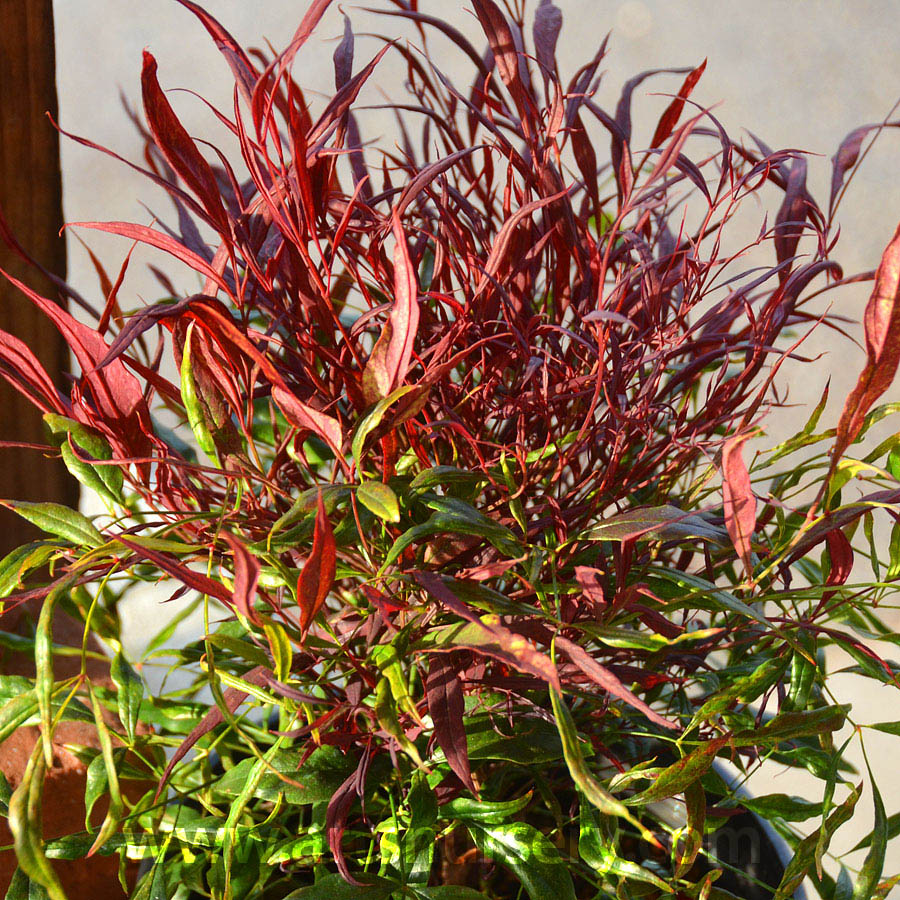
31, 197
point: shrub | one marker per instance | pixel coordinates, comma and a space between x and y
459, 477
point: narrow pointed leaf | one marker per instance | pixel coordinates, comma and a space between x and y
317, 575
446, 705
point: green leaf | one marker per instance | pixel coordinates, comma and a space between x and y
23, 888
791, 725
581, 775
16, 712
599, 854
130, 692
116, 803
379, 499
746, 688
333, 887
94, 788
53, 518
281, 649
447, 892
454, 516
781, 806
372, 419
804, 854
870, 873
313, 782
655, 523
105, 480
441, 475
25, 824
43, 679
192, 404
702, 590
674, 779
468, 810
19, 562
529, 855
535, 742
386, 657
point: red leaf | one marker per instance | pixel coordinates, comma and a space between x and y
489, 636
589, 581
882, 325
840, 551
506, 57
610, 683
178, 148
301, 415
187, 576
390, 357
446, 706
669, 119
115, 391
847, 154
242, 69
23, 370
233, 699
318, 573
739, 500
162, 242
246, 576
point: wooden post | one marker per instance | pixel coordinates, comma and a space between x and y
31, 198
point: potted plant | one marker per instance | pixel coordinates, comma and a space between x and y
464, 480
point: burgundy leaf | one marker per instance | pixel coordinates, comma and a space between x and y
302, 415
848, 153
389, 361
343, 57
178, 148
547, 25
792, 214
669, 119
610, 683
446, 706
233, 699
488, 636
317, 575
246, 576
197, 581
339, 807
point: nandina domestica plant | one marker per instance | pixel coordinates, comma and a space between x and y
492, 583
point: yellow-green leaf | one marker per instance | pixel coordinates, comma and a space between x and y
54, 518
25, 824
379, 499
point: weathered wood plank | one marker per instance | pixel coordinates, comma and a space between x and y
31, 197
